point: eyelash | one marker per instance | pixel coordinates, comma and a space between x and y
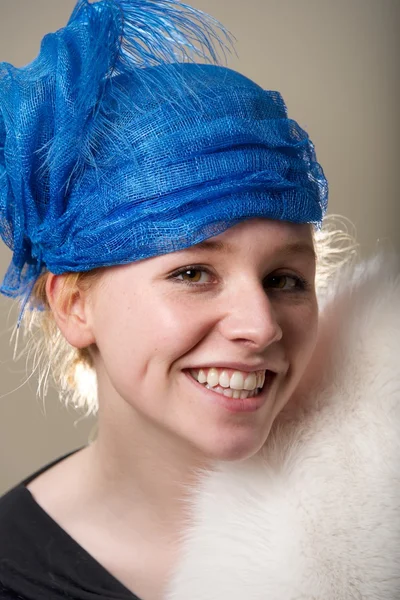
301, 284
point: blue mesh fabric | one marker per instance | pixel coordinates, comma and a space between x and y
111, 153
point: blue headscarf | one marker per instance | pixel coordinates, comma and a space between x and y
115, 145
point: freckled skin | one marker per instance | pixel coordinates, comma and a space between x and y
149, 327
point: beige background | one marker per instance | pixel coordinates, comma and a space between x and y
335, 63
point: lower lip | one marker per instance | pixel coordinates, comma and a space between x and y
237, 405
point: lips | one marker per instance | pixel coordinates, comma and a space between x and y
237, 401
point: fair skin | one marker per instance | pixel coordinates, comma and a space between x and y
245, 309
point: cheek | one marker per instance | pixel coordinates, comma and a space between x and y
300, 331
147, 331
170, 328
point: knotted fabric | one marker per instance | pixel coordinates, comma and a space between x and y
116, 145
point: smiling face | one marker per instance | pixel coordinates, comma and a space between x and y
176, 332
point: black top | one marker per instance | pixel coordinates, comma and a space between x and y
40, 561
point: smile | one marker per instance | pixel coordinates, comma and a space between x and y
230, 383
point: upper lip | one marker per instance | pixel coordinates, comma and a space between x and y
239, 366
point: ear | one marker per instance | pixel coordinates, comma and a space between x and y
71, 310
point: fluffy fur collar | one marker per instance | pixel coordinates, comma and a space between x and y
316, 514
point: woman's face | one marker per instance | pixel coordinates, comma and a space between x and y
239, 309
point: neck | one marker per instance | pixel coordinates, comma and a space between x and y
142, 472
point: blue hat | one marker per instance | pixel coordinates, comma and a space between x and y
115, 145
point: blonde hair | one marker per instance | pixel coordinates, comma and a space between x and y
72, 369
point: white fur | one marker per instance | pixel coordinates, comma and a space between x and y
316, 514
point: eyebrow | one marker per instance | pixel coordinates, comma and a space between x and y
213, 245
287, 250
299, 248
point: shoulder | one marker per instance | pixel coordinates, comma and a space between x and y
14, 509
25, 527
38, 559
15, 513
21, 539
22, 523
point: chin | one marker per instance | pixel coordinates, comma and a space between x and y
235, 447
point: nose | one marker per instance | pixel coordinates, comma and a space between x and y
250, 317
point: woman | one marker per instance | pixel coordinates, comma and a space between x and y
161, 219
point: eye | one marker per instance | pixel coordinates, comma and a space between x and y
286, 282
192, 275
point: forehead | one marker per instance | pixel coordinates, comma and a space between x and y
255, 240
260, 234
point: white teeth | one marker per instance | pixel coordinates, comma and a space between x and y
237, 381
228, 392
250, 383
212, 377
242, 394
224, 379
201, 377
